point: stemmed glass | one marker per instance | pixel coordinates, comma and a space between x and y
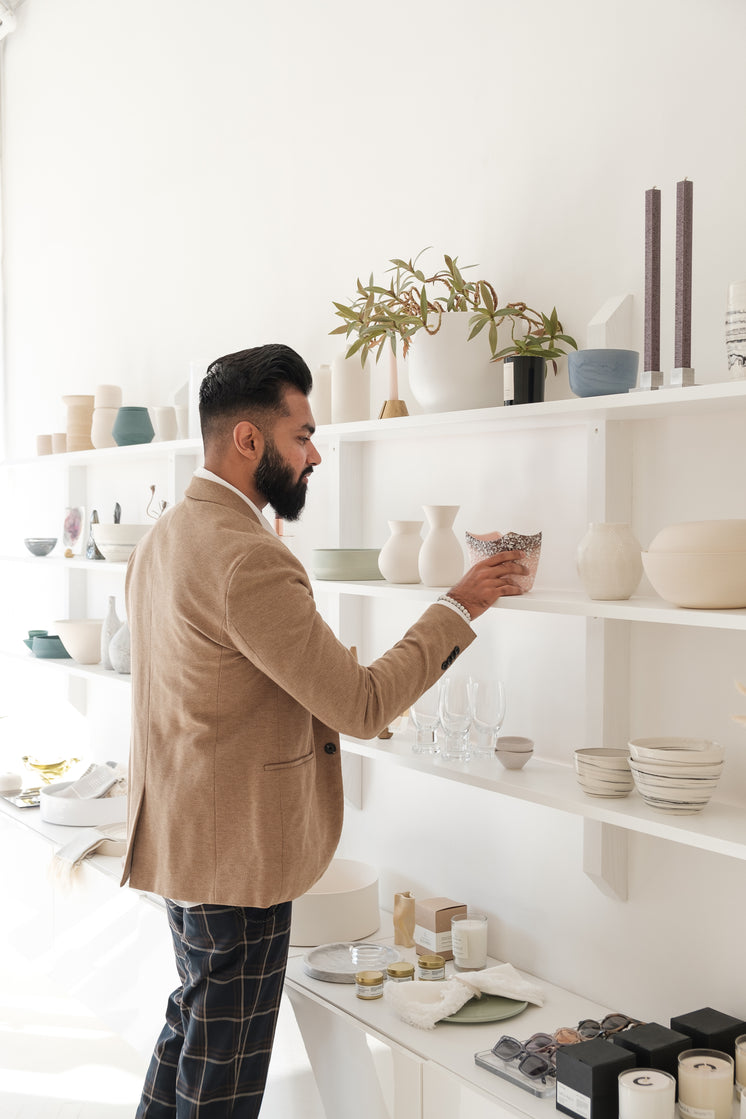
426, 719
456, 716
488, 706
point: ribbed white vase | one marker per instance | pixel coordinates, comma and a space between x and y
441, 559
609, 561
398, 561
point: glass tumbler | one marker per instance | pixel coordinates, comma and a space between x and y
488, 706
456, 717
426, 720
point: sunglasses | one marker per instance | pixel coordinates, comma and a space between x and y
534, 1061
611, 1024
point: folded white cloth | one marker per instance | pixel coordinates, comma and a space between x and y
107, 839
423, 1002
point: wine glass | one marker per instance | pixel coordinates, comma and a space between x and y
488, 706
426, 719
456, 716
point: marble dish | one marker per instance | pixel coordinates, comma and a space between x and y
40, 545
332, 963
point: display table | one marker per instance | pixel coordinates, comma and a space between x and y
434, 1073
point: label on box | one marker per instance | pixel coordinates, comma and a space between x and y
432, 941
574, 1101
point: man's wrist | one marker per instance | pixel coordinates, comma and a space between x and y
454, 604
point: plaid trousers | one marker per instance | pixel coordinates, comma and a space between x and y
211, 1058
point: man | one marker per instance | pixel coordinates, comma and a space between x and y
240, 691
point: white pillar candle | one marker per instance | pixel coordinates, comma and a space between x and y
646, 1093
705, 1084
741, 1067
469, 935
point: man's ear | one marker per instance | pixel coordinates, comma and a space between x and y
248, 440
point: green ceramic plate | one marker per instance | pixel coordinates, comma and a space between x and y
490, 1008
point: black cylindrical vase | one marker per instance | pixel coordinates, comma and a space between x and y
528, 379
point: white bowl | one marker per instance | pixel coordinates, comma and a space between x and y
76, 812
698, 580
691, 751
81, 637
341, 906
117, 542
702, 537
512, 759
600, 757
345, 563
515, 743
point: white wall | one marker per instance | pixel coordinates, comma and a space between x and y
184, 179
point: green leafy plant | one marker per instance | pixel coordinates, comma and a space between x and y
415, 301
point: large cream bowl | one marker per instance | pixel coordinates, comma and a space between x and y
699, 564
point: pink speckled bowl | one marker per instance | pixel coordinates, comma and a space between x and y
479, 547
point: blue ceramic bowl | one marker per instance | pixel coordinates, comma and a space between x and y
48, 646
602, 372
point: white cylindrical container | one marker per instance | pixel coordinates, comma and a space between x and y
164, 422
111, 624
705, 1084
350, 392
741, 1067
321, 395
646, 1093
609, 560
441, 559
398, 559
735, 329
469, 937
101, 426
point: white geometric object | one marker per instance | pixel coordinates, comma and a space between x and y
611, 326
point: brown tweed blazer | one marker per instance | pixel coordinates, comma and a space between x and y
239, 690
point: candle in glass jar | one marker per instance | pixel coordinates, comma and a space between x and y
469, 938
646, 1093
705, 1084
741, 1067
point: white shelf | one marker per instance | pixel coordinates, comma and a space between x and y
115, 455
663, 403
548, 601
720, 827
68, 667
78, 563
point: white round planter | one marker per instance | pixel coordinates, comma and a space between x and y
609, 561
448, 373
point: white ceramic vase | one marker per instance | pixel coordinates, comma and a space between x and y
164, 422
447, 372
79, 422
399, 558
119, 650
111, 624
735, 329
441, 559
609, 561
103, 422
350, 391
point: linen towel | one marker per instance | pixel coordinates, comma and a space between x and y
423, 1002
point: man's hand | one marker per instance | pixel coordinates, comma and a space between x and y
489, 580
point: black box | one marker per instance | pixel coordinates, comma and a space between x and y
710, 1029
654, 1046
587, 1078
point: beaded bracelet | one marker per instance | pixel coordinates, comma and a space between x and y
458, 606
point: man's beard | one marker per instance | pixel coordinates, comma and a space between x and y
274, 481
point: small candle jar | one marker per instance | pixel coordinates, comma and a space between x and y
400, 972
741, 1067
646, 1093
431, 967
369, 984
705, 1084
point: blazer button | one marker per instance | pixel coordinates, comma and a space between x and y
330, 748
456, 651
444, 665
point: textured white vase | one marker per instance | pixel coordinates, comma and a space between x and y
398, 561
119, 650
447, 372
350, 393
111, 624
609, 561
441, 559
101, 425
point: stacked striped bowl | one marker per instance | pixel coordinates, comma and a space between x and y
677, 775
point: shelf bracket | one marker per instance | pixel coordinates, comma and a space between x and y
605, 857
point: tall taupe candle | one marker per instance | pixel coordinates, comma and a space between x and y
683, 324
652, 279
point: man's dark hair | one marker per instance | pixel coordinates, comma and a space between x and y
250, 383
